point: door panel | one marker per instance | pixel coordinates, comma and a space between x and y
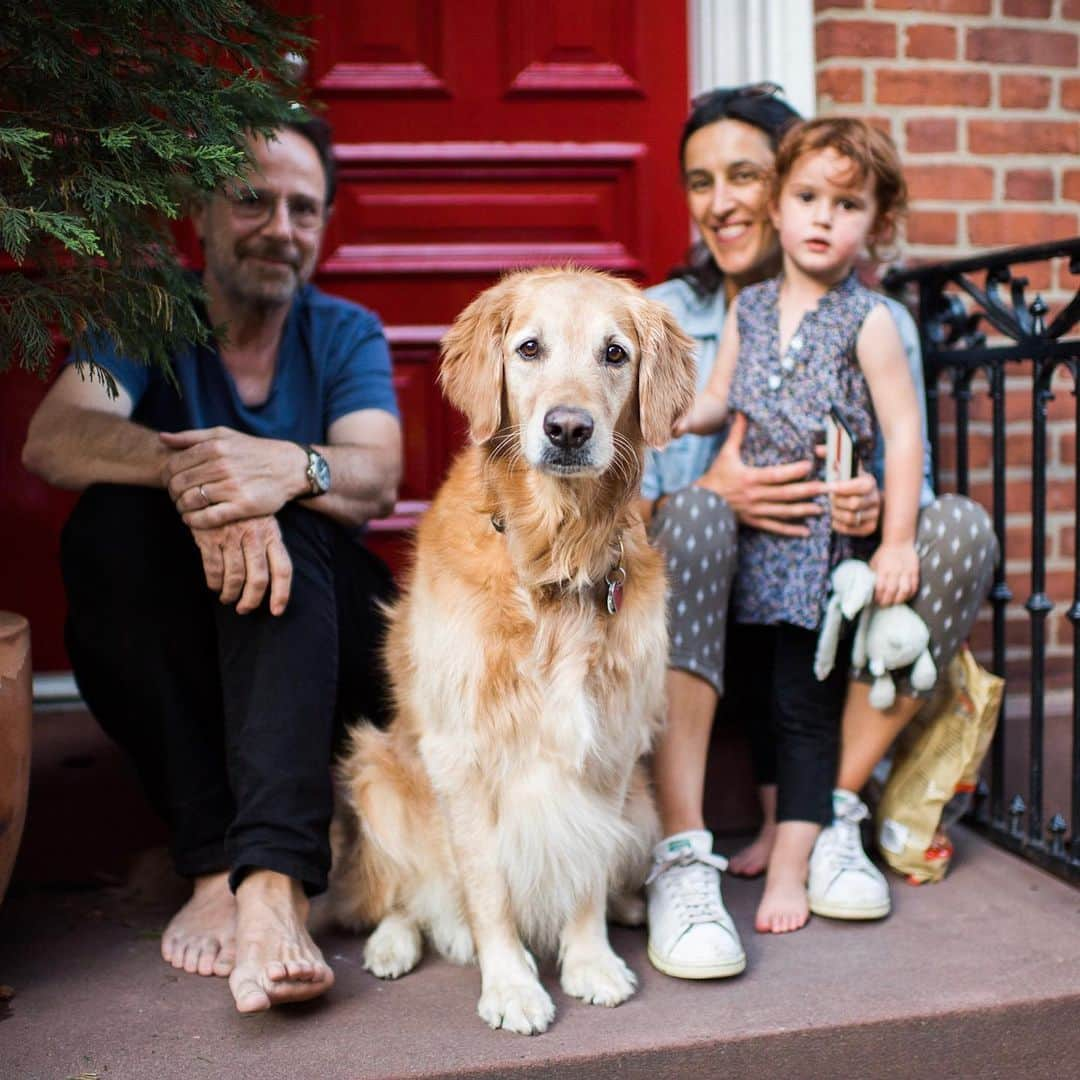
567, 47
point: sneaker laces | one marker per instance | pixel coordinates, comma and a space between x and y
695, 891
847, 847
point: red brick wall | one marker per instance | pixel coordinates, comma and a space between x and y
983, 100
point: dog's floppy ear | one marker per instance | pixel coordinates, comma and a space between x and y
667, 374
472, 365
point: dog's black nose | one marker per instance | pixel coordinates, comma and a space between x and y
568, 428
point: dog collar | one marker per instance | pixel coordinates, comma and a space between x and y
614, 579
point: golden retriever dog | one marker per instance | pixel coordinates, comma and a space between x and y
506, 801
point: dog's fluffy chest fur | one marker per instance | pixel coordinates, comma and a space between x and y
541, 669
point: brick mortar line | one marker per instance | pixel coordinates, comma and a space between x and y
960, 21
1065, 162
954, 64
1002, 205
979, 112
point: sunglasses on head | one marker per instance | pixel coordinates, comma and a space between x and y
726, 93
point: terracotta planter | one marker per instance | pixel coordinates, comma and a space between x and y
15, 711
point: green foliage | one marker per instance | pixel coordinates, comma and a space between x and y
113, 115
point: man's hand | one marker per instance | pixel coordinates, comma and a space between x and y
774, 498
896, 567
218, 475
242, 558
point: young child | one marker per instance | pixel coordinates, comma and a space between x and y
811, 340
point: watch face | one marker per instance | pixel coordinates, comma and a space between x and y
320, 471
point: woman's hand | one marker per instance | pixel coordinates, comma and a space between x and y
897, 570
855, 503
773, 498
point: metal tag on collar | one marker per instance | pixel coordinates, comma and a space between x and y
615, 579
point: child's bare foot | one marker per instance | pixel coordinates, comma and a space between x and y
276, 960
783, 908
754, 858
201, 938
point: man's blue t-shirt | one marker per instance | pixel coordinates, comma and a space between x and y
333, 360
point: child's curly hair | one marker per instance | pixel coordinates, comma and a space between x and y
871, 153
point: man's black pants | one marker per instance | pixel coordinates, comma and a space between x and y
231, 719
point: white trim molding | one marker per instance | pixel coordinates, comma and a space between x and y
745, 41
55, 688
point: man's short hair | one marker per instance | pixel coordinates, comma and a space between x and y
318, 132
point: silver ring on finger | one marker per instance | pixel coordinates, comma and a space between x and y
206, 498
858, 517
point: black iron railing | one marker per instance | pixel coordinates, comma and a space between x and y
955, 312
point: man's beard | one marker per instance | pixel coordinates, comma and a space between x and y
245, 283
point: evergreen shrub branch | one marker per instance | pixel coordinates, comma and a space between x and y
114, 114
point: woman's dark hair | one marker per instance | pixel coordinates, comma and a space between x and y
756, 104
317, 132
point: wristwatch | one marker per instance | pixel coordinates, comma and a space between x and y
318, 472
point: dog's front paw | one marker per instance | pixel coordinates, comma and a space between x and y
455, 941
393, 948
600, 977
524, 1007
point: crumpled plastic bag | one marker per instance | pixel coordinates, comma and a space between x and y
935, 769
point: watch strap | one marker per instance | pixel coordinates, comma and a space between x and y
313, 484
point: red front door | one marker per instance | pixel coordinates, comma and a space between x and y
472, 136
475, 136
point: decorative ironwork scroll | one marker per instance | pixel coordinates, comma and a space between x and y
955, 315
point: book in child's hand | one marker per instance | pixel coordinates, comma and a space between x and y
840, 460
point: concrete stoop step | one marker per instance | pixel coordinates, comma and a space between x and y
976, 977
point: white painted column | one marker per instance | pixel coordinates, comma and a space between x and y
745, 41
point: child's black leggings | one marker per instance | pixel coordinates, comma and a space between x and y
772, 678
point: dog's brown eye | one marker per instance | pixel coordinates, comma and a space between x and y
615, 354
529, 350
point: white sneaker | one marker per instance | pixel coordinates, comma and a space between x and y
691, 935
844, 883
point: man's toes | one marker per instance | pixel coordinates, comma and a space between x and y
301, 989
224, 961
249, 995
276, 971
191, 957
301, 970
199, 956
208, 957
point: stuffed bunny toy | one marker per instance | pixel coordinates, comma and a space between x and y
885, 638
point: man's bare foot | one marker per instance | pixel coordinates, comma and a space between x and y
201, 938
783, 907
754, 858
276, 960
